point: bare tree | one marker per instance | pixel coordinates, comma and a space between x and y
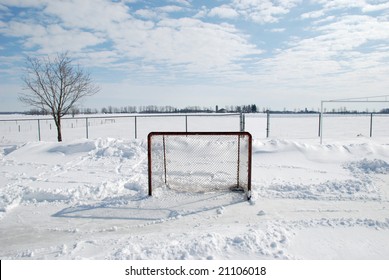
55, 85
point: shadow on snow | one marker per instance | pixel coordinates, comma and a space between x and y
153, 209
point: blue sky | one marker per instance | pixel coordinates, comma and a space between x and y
278, 54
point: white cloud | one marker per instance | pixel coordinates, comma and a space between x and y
344, 46
277, 30
340, 4
259, 11
24, 3
98, 15
313, 14
263, 11
51, 38
186, 46
169, 9
159, 12
345, 55
373, 8
352, 31
147, 14
223, 11
202, 12
6, 65
199, 46
181, 2
57, 38
3, 10
365, 6
22, 29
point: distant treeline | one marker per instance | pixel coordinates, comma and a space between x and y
153, 109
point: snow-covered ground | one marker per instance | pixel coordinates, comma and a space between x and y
87, 199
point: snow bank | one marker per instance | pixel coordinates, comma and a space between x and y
47, 172
88, 199
119, 168
310, 171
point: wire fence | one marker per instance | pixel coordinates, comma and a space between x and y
115, 126
137, 126
308, 126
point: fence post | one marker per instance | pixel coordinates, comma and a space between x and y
319, 124
86, 128
164, 157
186, 123
136, 128
267, 123
371, 125
39, 130
242, 122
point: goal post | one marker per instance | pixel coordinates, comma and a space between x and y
200, 161
368, 99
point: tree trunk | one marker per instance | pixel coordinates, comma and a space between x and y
59, 130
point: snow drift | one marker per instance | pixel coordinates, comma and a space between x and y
88, 199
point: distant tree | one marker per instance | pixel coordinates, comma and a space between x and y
37, 112
74, 111
55, 85
385, 111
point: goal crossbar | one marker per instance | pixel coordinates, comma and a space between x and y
368, 99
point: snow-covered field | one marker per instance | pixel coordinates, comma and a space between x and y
87, 199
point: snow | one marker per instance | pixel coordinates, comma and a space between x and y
88, 199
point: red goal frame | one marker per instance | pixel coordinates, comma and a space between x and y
237, 134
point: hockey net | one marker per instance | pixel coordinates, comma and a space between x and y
200, 161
